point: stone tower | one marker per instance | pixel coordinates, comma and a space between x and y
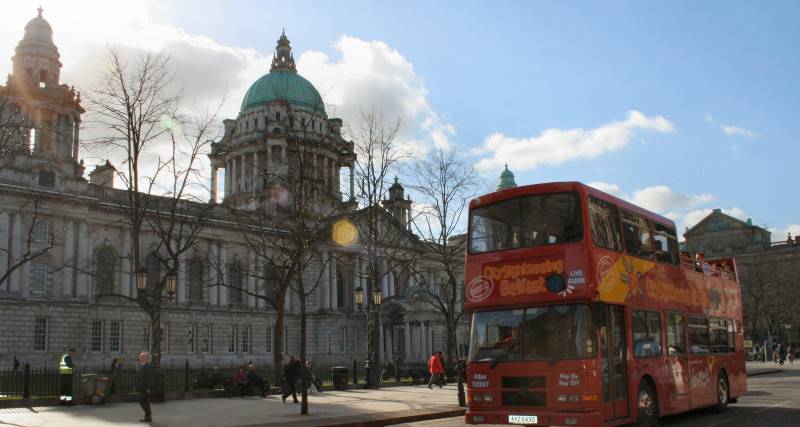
397, 205
40, 118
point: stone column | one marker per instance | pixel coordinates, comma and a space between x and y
256, 174
334, 298
183, 271
251, 278
214, 173
16, 252
126, 273
213, 274
83, 259
381, 343
76, 144
391, 284
223, 262
228, 177
352, 184
430, 338
407, 339
385, 279
325, 286
5, 229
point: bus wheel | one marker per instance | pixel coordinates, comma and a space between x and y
647, 406
723, 393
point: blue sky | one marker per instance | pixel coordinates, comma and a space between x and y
544, 86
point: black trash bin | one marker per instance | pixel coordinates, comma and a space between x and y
339, 377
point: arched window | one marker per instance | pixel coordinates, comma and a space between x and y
235, 284
196, 269
153, 266
104, 264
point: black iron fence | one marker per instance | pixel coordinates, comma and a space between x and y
39, 382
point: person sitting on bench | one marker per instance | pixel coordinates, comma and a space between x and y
254, 380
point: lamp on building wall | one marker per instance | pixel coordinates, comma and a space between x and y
141, 279
377, 296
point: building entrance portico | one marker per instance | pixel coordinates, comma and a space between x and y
406, 331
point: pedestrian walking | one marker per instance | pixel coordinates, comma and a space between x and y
144, 385
782, 353
16, 364
65, 370
436, 369
292, 373
116, 365
790, 354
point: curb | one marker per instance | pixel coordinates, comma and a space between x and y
764, 372
370, 420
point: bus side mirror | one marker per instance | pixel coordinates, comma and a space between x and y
599, 317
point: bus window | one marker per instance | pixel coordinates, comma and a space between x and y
676, 342
528, 221
731, 336
698, 335
636, 231
646, 333
666, 244
719, 335
496, 335
605, 224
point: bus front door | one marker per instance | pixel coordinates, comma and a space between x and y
613, 353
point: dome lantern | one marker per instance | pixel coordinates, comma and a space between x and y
506, 180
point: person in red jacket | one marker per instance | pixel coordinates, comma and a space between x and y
436, 369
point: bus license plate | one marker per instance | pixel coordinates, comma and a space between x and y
522, 419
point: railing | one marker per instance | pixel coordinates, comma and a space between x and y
786, 243
706, 268
43, 382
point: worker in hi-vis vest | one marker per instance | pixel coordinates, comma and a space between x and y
65, 368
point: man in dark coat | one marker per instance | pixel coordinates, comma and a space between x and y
292, 373
65, 369
144, 384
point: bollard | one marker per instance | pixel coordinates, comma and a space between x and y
26, 381
355, 372
186, 377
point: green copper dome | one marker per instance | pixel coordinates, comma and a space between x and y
284, 84
506, 180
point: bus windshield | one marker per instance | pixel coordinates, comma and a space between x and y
528, 221
536, 333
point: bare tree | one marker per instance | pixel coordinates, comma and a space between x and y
446, 183
136, 107
377, 159
33, 243
285, 231
15, 128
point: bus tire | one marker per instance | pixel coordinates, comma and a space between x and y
723, 393
646, 405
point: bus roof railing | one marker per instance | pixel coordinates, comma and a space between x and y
707, 268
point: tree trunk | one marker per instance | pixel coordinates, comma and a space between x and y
277, 348
302, 294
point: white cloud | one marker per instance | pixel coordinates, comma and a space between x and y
612, 189
661, 198
780, 234
372, 75
731, 130
365, 74
556, 146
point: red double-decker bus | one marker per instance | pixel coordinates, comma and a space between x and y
584, 313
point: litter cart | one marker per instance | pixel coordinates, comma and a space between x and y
95, 388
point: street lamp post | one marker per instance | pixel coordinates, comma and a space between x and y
372, 308
154, 300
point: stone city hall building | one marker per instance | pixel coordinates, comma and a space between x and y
52, 303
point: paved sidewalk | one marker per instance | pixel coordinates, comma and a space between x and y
352, 407
764, 368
